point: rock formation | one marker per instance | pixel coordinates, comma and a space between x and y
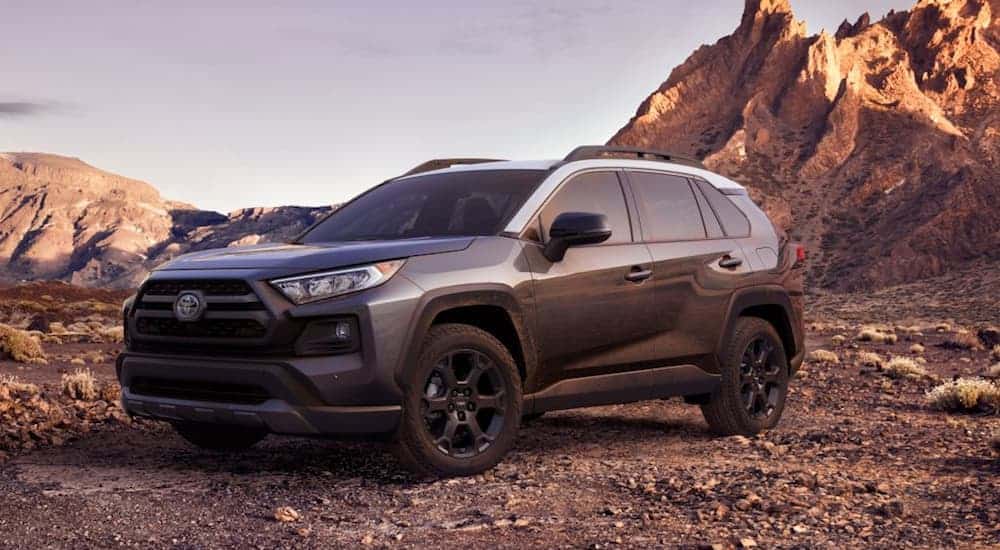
63, 219
878, 146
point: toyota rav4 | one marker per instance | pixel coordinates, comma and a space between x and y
444, 307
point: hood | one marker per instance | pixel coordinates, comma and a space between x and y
303, 258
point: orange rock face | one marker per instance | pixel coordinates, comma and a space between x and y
63, 219
879, 146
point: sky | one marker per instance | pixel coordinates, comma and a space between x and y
232, 104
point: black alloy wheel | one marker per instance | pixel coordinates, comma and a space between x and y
760, 378
753, 380
463, 403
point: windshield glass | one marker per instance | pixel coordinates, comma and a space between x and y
470, 203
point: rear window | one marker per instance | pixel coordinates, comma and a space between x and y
734, 222
667, 206
467, 203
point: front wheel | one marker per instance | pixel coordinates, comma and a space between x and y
461, 405
754, 385
219, 437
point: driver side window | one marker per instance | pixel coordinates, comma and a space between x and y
594, 192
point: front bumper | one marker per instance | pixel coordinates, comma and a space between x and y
289, 396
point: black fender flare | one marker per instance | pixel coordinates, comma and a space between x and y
435, 302
766, 295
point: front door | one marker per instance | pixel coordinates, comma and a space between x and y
595, 308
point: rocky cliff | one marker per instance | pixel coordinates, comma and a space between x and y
879, 145
61, 218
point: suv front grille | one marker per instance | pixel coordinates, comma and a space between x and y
220, 287
233, 313
206, 328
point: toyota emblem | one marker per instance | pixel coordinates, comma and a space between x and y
189, 306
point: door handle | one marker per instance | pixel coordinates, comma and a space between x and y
638, 274
730, 262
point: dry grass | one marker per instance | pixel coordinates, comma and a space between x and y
80, 384
10, 385
19, 346
824, 356
869, 359
838, 340
965, 395
903, 367
917, 349
962, 340
870, 334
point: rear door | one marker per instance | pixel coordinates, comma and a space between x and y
594, 315
690, 254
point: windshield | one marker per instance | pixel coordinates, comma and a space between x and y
469, 203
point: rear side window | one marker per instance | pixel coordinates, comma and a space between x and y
712, 225
733, 220
594, 192
668, 207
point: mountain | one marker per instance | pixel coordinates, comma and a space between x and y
878, 146
61, 218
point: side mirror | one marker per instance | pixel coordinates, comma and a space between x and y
575, 229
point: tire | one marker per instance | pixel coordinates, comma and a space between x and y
443, 433
218, 437
752, 394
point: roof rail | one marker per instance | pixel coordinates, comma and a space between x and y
585, 152
438, 164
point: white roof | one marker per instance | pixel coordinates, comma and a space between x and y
719, 181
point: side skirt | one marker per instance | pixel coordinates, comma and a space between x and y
622, 387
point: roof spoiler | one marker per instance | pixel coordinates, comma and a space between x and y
585, 152
438, 164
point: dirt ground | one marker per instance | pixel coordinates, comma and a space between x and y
858, 460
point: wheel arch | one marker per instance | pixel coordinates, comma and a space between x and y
771, 303
492, 308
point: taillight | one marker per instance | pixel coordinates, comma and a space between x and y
800, 254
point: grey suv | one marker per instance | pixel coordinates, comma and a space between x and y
444, 307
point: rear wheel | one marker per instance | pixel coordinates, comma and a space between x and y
218, 437
462, 404
754, 385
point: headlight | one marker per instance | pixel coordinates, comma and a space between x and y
318, 286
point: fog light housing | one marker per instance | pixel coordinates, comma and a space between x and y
328, 337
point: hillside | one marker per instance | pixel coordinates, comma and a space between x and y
61, 218
878, 145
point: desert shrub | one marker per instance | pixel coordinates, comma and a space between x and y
903, 367
917, 349
80, 384
56, 327
111, 335
77, 361
996, 352
965, 394
10, 385
869, 359
942, 327
824, 356
20, 346
838, 340
993, 371
877, 336
962, 340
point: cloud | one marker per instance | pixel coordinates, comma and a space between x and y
23, 108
